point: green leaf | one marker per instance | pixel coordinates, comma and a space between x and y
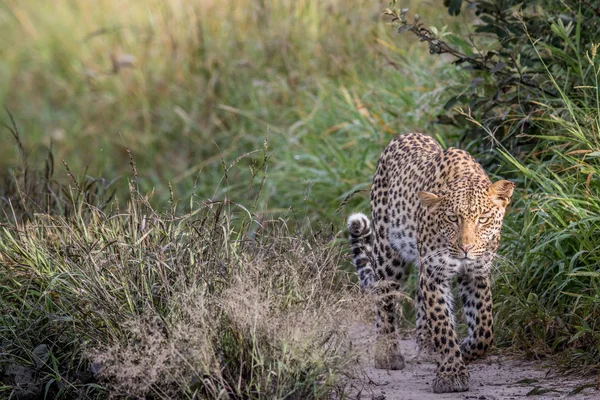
577, 390
586, 273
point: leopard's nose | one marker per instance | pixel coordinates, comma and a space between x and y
466, 247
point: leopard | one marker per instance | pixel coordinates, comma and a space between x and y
436, 210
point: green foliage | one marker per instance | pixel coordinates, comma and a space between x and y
453, 6
554, 287
512, 45
27, 190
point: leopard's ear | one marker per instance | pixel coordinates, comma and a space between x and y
429, 199
500, 192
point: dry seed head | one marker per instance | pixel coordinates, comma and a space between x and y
593, 50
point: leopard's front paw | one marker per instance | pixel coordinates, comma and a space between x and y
388, 354
446, 382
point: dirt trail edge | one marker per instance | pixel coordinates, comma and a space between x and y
494, 378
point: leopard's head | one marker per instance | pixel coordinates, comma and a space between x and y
467, 218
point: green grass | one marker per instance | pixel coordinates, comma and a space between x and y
551, 289
211, 81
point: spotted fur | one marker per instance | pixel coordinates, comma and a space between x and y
439, 210
361, 244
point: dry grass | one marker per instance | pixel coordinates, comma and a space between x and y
210, 304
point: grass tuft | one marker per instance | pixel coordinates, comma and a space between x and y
212, 303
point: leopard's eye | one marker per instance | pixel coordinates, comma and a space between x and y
484, 220
452, 218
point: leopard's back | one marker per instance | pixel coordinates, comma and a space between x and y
409, 164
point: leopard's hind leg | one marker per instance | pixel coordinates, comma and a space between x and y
391, 271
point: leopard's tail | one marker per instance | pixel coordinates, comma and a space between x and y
361, 244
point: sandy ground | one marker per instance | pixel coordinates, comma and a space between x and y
495, 378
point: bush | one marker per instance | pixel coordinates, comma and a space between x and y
214, 303
554, 287
512, 48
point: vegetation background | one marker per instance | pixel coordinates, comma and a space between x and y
176, 176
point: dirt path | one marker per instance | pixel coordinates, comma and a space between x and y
495, 378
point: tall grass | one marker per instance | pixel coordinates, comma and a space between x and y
187, 84
214, 303
550, 291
